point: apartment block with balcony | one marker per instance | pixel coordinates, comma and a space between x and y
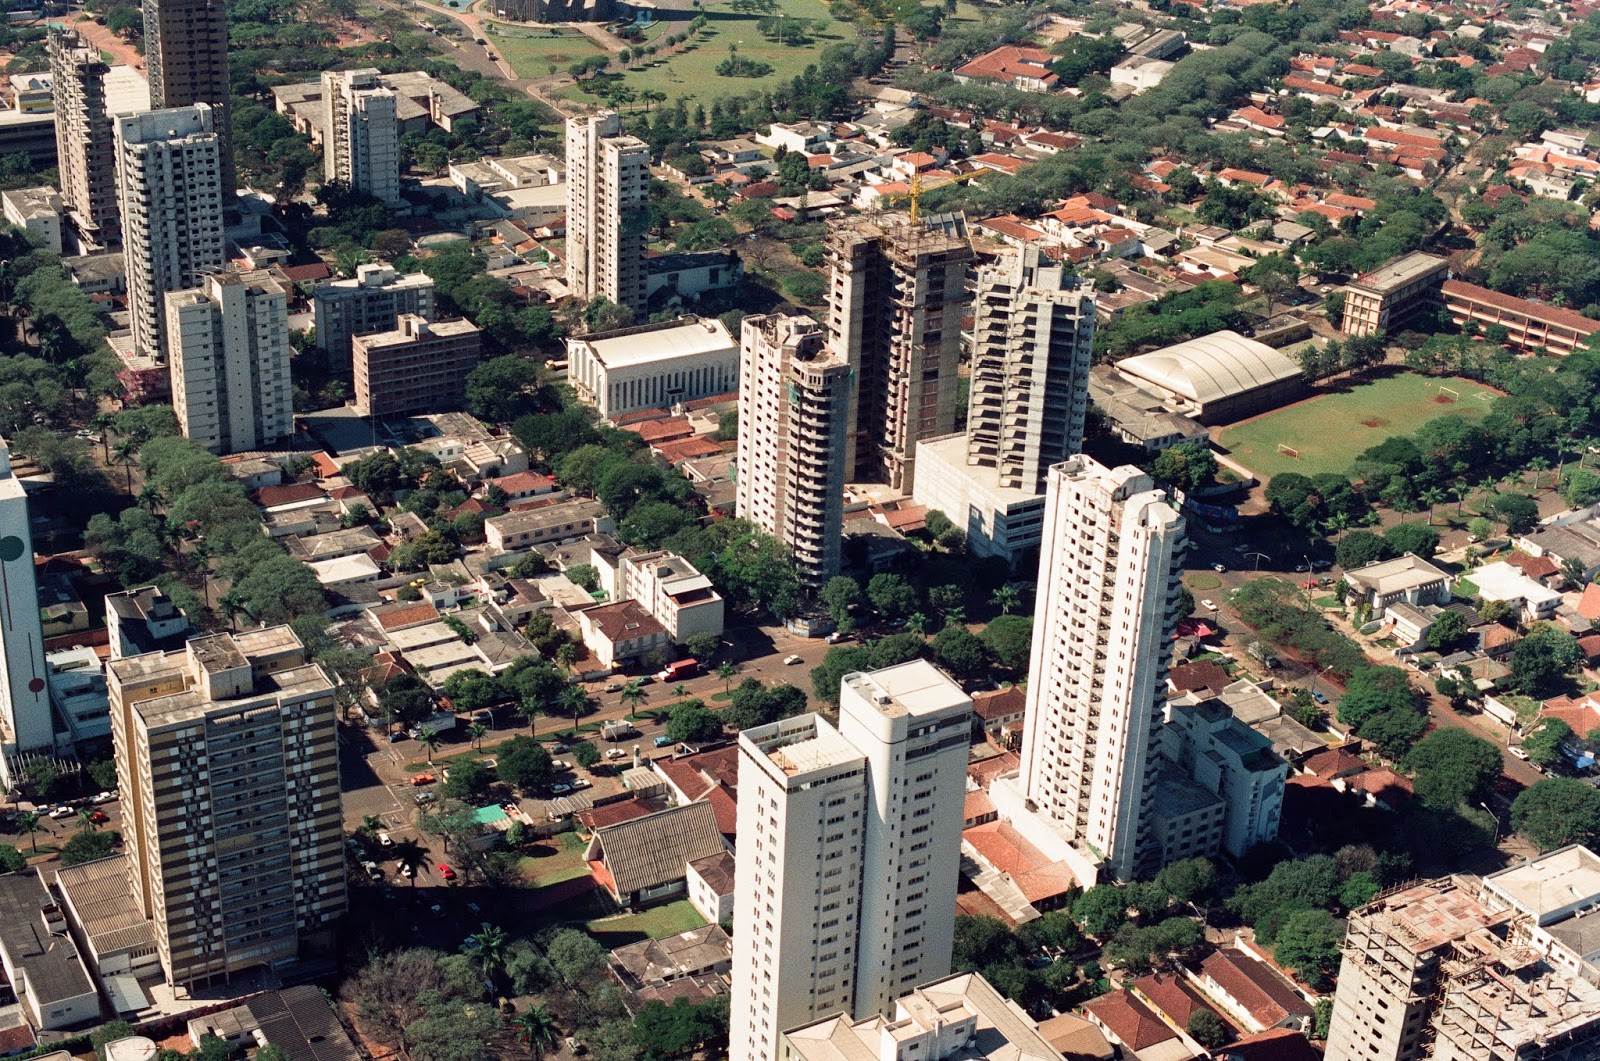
372, 301
420, 366
186, 59
228, 767
88, 93
362, 143
672, 590
228, 349
607, 187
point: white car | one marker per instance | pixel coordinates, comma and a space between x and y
1209, 605
384, 840
62, 811
580, 782
615, 753
790, 661
102, 798
1518, 752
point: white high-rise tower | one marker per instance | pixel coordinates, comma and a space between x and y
849, 853
362, 144
1103, 626
608, 176
169, 191
25, 724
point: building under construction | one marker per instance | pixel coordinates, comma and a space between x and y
1463, 969
895, 307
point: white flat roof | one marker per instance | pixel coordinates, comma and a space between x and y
695, 338
914, 688
1501, 581
1567, 877
127, 91
344, 569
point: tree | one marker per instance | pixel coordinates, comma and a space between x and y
1101, 910
1541, 661
981, 942
576, 957
536, 1028
891, 595
585, 754
1005, 598
1543, 742
468, 780
497, 389
11, 860
1453, 767
633, 695
1446, 632
1517, 511
1308, 943
1358, 890
1360, 548
1189, 880
1373, 690
681, 1029
1418, 539
690, 722
1556, 812
1206, 1028
87, 847
471, 690
28, 822
487, 947
1188, 467
727, 671
1009, 639
840, 595
523, 763
959, 651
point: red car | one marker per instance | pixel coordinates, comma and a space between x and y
99, 817
446, 872
423, 779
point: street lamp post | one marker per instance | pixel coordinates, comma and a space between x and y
1496, 817
1259, 557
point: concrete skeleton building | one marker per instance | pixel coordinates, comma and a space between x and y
362, 145
653, 366
1033, 334
228, 348
1103, 628
228, 767
1388, 296
607, 185
89, 93
794, 413
169, 193
849, 854
371, 301
419, 366
895, 305
1462, 969
25, 723
186, 55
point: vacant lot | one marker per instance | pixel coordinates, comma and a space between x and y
533, 50
552, 861
1326, 433
656, 922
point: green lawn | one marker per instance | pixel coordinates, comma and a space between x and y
657, 922
692, 72
1329, 431
533, 50
557, 859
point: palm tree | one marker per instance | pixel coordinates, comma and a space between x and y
430, 741
1490, 486
150, 498
28, 822
488, 946
574, 699
531, 709
566, 656
125, 452
1539, 465
1431, 497
633, 695
917, 623
536, 1028
727, 672
475, 733
370, 824
680, 690
1460, 488
86, 820
1005, 598
102, 423
1339, 522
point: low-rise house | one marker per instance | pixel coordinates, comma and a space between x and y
998, 715
1252, 993
39, 957
1501, 581
551, 523
1409, 579
623, 633
1012, 66
646, 859
1131, 1024
697, 952
710, 883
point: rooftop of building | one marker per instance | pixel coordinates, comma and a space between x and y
563, 511
802, 745
1549, 887
950, 451
648, 852
1395, 576
1502, 581
1000, 703
717, 871
414, 329
105, 910
651, 343
1427, 916
1256, 986
659, 960
1001, 1030
624, 621
34, 202
1399, 272
914, 688
49, 961
1212, 367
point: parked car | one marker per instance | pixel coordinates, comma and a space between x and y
836, 637
108, 796
63, 811
407, 870
662, 742
560, 789
1517, 752
790, 661
1319, 696
613, 687
424, 798
615, 753
397, 737
1208, 604
423, 779
446, 872
558, 748
99, 817
1219, 568
580, 782
384, 840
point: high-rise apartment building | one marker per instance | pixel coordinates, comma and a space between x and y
417, 367
228, 349
87, 97
228, 767
361, 142
1103, 628
1033, 334
794, 410
169, 193
894, 313
370, 302
608, 176
1462, 969
186, 56
25, 724
849, 852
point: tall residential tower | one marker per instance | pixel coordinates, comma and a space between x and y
794, 402
170, 194
186, 54
25, 723
1102, 635
849, 853
88, 94
894, 313
228, 767
608, 176
361, 142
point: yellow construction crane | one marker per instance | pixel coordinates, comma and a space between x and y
916, 189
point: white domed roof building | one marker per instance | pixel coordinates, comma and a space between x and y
1217, 378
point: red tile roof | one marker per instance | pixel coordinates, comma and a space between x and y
299, 274
1192, 677
1538, 311
984, 773
1383, 784
1589, 603
664, 430
1274, 1044
1332, 762
1002, 703
977, 805
1535, 566
1317, 88
1171, 995
406, 616
1265, 995
288, 494
612, 813
1129, 1020
1010, 62
624, 621
1031, 870
1589, 645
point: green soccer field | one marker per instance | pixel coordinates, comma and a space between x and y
1326, 433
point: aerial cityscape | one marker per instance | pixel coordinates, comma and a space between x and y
784, 530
